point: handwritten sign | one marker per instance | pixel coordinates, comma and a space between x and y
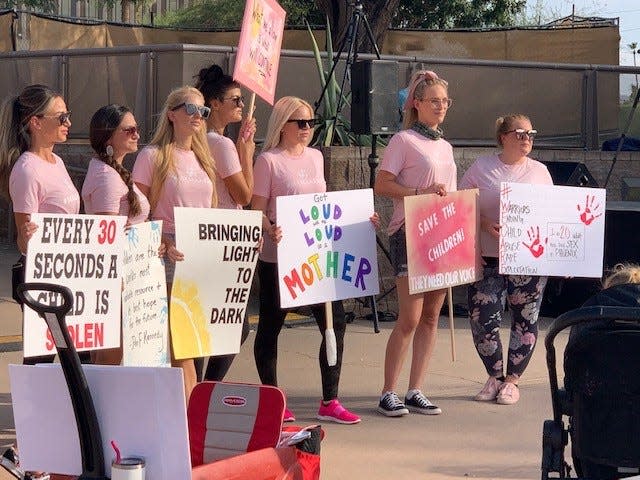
82, 252
211, 286
551, 230
258, 55
328, 247
442, 238
145, 326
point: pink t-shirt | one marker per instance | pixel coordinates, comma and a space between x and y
37, 186
486, 174
188, 186
104, 191
417, 162
227, 161
277, 174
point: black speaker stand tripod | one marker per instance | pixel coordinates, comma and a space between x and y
350, 43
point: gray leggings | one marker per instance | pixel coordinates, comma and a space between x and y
486, 305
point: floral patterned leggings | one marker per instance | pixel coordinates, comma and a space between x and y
486, 305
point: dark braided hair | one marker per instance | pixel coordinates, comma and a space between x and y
103, 124
214, 83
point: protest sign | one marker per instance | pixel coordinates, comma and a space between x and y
258, 56
82, 252
211, 286
442, 240
145, 329
551, 230
328, 247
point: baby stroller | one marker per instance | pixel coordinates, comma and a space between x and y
601, 394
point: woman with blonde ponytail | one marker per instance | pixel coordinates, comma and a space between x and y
176, 170
108, 188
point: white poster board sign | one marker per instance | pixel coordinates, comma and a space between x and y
145, 313
142, 409
84, 253
328, 247
551, 230
211, 286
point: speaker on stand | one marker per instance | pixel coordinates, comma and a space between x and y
374, 97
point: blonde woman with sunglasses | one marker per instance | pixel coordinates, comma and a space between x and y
287, 166
176, 170
108, 188
33, 177
514, 134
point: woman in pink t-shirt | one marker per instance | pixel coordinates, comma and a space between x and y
234, 168
287, 166
515, 135
176, 170
416, 161
33, 177
108, 188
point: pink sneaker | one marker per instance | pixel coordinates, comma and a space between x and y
335, 412
288, 416
490, 390
508, 394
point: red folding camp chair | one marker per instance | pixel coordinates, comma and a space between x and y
234, 430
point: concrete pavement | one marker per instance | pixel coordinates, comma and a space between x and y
469, 439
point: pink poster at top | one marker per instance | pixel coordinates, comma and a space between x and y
442, 240
258, 56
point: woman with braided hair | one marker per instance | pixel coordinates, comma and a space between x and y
108, 188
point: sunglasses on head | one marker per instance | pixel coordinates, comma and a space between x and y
303, 123
192, 109
522, 134
239, 100
62, 117
131, 131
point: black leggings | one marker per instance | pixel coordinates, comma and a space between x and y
270, 323
218, 366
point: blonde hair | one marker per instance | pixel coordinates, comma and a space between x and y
420, 81
282, 111
163, 140
622, 273
505, 124
15, 136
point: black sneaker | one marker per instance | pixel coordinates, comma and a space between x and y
421, 404
391, 406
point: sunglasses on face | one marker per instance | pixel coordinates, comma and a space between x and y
239, 101
303, 123
192, 109
62, 117
131, 131
522, 134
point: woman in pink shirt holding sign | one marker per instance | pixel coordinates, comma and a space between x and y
287, 166
416, 161
234, 169
33, 177
176, 170
108, 188
515, 135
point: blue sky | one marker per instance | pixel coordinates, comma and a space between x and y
627, 10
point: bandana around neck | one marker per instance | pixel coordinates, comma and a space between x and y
430, 133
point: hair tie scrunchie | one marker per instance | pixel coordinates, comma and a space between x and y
420, 76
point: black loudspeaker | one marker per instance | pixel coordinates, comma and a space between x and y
621, 228
621, 245
374, 97
572, 174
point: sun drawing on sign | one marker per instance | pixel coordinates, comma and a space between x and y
189, 334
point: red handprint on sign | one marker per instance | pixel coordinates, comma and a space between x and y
536, 247
590, 212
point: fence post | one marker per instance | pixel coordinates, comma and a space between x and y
590, 124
